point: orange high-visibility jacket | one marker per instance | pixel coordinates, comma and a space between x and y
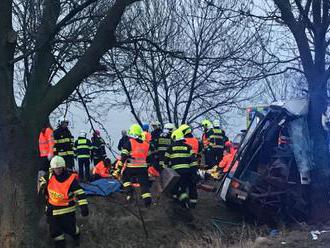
46, 143
101, 170
226, 161
138, 154
193, 142
58, 192
147, 136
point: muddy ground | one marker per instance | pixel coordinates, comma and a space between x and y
115, 223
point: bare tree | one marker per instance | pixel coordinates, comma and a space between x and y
46, 84
186, 65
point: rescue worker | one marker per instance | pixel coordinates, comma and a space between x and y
229, 154
98, 144
146, 134
83, 152
46, 146
63, 140
179, 156
134, 154
156, 132
217, 142
207, 151
194, 143
63, 194
102, 169
123, 140
163, 142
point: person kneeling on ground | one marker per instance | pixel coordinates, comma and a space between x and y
102, 169
63, 193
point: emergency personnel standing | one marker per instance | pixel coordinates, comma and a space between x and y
217, 139
64, 143
180, 157
98, 144
194, 143
207, 131
83, 151
134, 154
163, 142
63, 193
156, 132
46, 146
123, 140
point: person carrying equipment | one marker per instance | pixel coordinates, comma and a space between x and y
180, 157
63, 193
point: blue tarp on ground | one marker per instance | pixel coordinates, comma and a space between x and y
101, 187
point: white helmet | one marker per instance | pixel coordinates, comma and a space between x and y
83, 133
216, 123
57, 162
169, 126
155, 123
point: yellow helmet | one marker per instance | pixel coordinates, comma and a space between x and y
57, 162
186, 129
206, 123
135, 131
177, 135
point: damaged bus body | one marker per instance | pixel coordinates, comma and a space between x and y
270, 173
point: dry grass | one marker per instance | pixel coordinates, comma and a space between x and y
112, 224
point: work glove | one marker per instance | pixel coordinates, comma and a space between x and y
84, 211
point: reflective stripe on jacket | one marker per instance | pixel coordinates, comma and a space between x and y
217, 139
179, 156
46, 142
138, 154
63, 142
58, 192
83, 148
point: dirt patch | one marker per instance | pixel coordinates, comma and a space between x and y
115, 223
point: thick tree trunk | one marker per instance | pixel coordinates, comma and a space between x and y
320, 173
19, 213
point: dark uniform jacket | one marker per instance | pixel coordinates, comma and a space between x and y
98, 148
83, 148
179, 156
63, 140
